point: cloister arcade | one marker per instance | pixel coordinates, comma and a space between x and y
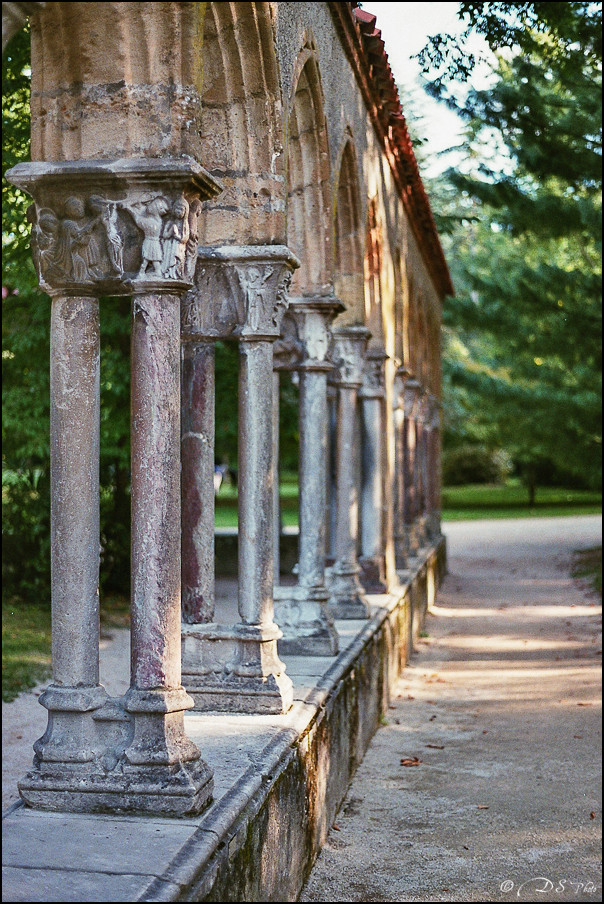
243, 172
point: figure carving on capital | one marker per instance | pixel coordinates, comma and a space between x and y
80, 246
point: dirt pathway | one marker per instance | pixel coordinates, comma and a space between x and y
501, 706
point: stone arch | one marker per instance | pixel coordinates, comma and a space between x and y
308, 178
241, 131
373, 274
349, 277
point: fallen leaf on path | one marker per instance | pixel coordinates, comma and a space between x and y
432, 718
409, 697
579, 737
336, 828
482, 807
484, 731
410, 761
436, 746
584, 704
592, 815
431, 702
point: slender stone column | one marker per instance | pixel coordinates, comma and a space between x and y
115, 227
287, 351
372, 395
302, 612
347, 599
433, 469
422, 467
276, 498
400, 544
240, 293
410, 510
197, 449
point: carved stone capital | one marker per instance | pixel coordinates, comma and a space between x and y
401, 375
313, 316
115, 227
288, 351
411, 393
240, 292
349, 345
374, 380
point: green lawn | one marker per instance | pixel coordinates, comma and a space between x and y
471, 502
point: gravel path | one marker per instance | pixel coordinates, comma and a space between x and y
501, 706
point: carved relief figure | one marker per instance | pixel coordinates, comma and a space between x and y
175, 236
74, 239
108, 248
281, 298
148, 217
255, 294
193, 240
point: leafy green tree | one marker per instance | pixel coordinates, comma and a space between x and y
522, 229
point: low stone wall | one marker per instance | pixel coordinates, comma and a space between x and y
279, 783
268, 850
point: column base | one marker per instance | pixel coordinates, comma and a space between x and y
372, 575
307, 626
135, 757
346, 597
181, 790
235, 668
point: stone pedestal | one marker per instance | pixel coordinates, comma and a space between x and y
116, 227
347, 599
302, 612
240, 294
372, 397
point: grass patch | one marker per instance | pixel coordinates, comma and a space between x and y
587, 568
226, 504
474, 501
26, 641
26, 658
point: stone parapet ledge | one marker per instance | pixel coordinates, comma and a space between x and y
276, 776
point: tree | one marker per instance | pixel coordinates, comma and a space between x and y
523, 356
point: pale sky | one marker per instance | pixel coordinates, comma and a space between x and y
405, 30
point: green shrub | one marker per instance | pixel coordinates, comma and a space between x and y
475, 464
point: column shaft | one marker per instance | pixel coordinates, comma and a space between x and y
197, 449
74, 462
256, 530
155, 492
276, 500
371, 489
313, 477
346, 490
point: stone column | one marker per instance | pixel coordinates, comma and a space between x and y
421, 467
197, 449
347, 599
433, 468
287, 351
302, 611
410, 510
373, 395
400, 546
240, 293
115, 227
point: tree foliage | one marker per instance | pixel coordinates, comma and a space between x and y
523, 233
